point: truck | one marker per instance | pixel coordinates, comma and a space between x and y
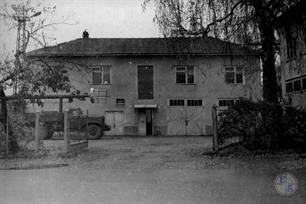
53, 121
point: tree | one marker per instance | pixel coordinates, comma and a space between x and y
247, 22
32, 20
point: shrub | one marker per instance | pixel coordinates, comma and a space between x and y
262, 125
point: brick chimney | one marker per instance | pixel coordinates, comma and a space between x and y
85, 34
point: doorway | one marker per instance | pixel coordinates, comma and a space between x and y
145, 122
149, 122
115, 120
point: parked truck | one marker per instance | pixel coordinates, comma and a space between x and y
53, 121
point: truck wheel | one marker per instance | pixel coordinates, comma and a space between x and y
94, 131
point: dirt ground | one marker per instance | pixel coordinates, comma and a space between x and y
155, 170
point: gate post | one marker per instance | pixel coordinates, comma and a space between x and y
37, 117
66, 137
215, 128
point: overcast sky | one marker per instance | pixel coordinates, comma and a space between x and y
101, 18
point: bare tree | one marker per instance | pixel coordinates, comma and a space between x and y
32, 20
248, 22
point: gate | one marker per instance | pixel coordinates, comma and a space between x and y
221, 143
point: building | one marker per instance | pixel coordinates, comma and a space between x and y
293, 55
155, 86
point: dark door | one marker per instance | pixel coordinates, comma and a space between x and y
145, 82
149, 122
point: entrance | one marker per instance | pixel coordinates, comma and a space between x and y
115, 120
149, 122
145, 122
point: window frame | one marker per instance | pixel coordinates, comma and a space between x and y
186, 73
176, 102
298, 84
101, 70
235, 74
291, 45
229, 102
120, 101
194, 102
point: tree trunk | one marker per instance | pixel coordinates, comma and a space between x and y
270, 88
3, 107
266, 26
13, 146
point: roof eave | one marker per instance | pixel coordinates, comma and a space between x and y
140, 54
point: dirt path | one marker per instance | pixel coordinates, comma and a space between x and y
154, 170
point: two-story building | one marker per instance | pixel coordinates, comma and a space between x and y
155, 86
293, 55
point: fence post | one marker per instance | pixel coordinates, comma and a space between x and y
7, 137
86, 124
37, 116
215, 128
66, 139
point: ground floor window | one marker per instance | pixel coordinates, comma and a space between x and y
296, 84
176, 102
194, 102
226, 102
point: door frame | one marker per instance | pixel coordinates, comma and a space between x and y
142, 114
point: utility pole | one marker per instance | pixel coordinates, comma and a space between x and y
21, 16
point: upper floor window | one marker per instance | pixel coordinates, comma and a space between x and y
100, 75
305, 41
291, 46
297, 85
289, 87
233, 75
185, 74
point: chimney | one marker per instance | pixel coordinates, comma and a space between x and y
85, 34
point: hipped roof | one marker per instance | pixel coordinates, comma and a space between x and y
141, 47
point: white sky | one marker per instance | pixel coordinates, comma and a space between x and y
101, 18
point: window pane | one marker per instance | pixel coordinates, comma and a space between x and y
182, 102
190, 75
178, 102
288, 87
239, 75
181, 77
304, 83
229, 77
106, 75
291, 46
200, 102
120, 101
297, 85
96, 77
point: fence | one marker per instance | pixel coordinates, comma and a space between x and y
4, 137
64, 132
217, 142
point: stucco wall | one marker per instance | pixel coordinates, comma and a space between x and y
209, 85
